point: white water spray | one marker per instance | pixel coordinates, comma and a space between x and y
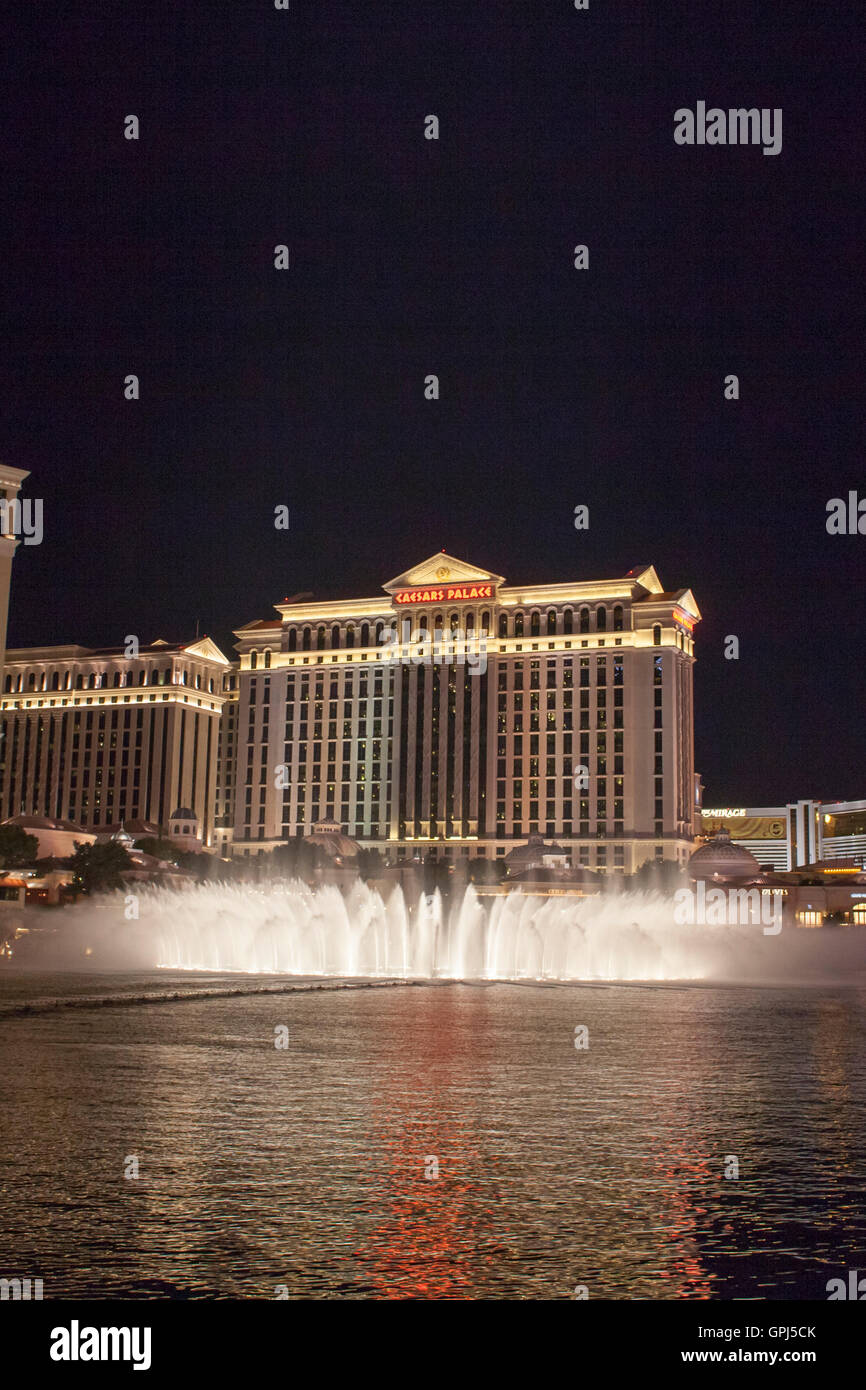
293, 929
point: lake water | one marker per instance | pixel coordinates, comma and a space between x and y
313, 1167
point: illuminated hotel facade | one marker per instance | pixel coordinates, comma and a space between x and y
99, 737
564, 710
796, 835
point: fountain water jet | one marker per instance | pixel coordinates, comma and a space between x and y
294, 929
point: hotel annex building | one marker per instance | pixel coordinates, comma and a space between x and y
95, 737
456, 714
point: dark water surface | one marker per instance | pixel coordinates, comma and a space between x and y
306, 1167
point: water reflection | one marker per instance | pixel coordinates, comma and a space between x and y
307, 1168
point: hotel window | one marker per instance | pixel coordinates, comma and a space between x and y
518, 625
305, 639
657, 635
568, 622
601, 620
503, 625
584, 620
617, 618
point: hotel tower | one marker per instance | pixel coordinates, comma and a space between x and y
100, 737
457, 714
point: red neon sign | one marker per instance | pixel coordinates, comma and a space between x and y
448, 591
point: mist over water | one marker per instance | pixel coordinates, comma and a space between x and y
294, 929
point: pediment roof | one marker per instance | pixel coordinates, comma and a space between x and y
430, 571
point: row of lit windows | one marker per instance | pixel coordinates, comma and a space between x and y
552, 622
98, 680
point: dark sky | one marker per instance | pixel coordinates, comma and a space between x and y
410, 256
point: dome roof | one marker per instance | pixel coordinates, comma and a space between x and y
533, 853
43, 823
329, 835
721, 858
183, 813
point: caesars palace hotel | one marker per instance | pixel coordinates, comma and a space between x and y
451, 713
408, 746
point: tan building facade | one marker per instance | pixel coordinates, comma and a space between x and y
97, 737
457, 714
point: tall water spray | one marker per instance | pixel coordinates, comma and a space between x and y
293, 929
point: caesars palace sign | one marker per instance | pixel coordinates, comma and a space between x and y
443, 595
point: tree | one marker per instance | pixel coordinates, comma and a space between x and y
369, 862
17, 848
436, 874
483, 870
100, 867
158, 848
659, 876
298, 858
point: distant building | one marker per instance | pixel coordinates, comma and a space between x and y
56, 838
721, 858
227, 760
812, 895
535, 854
97, 737
328, 836
801, 833
184, 828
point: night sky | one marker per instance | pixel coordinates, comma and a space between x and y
454, 257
